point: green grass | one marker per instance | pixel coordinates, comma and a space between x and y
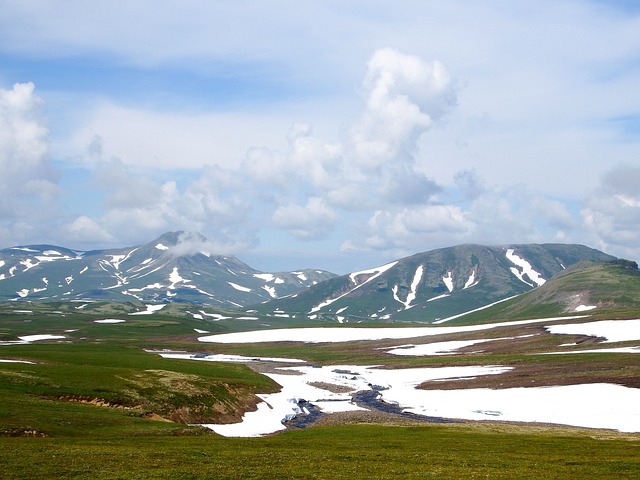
46, 431
341, 452
50, 396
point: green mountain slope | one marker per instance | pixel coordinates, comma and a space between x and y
594, 287
434, 285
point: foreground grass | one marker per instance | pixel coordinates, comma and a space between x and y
47, 430
87, 389
351, 451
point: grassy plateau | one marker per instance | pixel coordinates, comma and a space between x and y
101, 403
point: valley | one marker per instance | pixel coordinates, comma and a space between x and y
553, 367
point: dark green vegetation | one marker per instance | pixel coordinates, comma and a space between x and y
613, 287
85, 389
339, 452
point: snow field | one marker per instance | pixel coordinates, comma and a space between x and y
590, 405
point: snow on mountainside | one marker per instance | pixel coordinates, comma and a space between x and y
174, 267
437, 284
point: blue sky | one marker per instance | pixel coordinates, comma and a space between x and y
335, 135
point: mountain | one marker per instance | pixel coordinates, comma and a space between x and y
174, 267
583, 287
435, 285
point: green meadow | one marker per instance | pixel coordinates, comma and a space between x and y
102, 404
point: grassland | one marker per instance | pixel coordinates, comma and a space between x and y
96, 405
338, 452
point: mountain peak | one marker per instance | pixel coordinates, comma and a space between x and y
172, 239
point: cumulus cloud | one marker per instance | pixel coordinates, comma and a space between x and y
404, 96
310, 221
612, 213
410, 228
84, 229
28, 181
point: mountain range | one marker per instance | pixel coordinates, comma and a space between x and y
436, 285
176, 267
172, 268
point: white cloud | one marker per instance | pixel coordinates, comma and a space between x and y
203, 95
410, 229
310, 221
612, 212
85, 230
404, 96
28, 181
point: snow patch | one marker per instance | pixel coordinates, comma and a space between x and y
174, 278
376, 273
35, 338
150, 309
160, 246
239, 287
448, 281
584, 308
110, 320
267, 277
471, 281
270, 290
612, 330
526, 267
350, 334
411, 296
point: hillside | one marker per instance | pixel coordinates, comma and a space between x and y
435, 285
594, 287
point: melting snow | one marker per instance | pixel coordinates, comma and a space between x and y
239, 287
174, 277
300, 275
471, 281
160, 246
35, 338
584, 308
448, 281
376, 271
109, 320
443, 348
284, 405
150, 309
438, 348
526, 267
267, 277
612, 330
350, 334
411, 296
271, 291
591, 405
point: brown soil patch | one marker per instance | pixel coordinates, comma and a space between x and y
548, 374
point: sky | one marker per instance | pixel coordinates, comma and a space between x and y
329, 134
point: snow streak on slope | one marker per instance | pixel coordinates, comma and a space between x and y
448, 281
526, 267
353, 277
411, 296
471, 281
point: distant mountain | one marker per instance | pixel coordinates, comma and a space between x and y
437, 284
174, 267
